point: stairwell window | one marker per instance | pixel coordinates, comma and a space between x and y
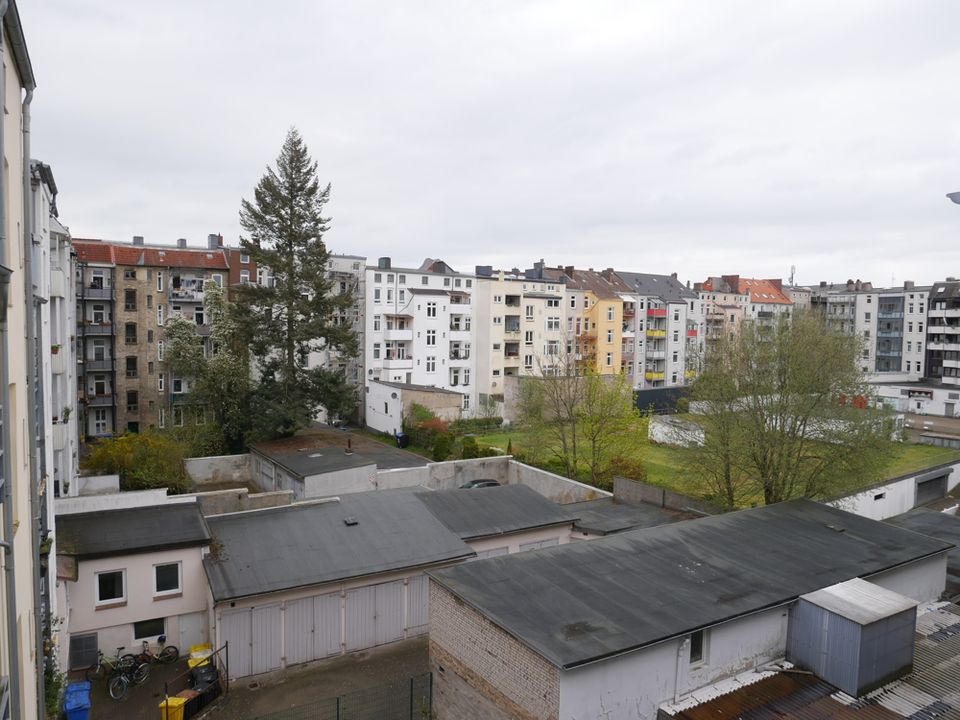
696, 647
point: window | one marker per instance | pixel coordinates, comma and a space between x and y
166, 579
553, 323
129, 300
573, 301
111, 587
676, 335
866, 316
133, 398
161, 381
402, 279
178, 417
377, 277
676, 316
696, 647
675, 356
129, 274
244, 259
159, 280
149, 336
920, 327
159, 349
529, 311
424, 280
401, 296
553, 303
446, 282
611, 313
496, 373
376, 351
376, 323
389, 295
149, 628
130, 333
609, 359
244, 277
456, 283
150, 368
609, 336
159, 314
431, 363
178, 385
528, 361
528, 337
131, 366
497, 320
431, 338
389, 277
498, 299
376, 295
149, 301
218, 279
162, 418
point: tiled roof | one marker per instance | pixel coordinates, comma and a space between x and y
97, 251
760, 291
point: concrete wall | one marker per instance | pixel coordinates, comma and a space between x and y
340, 482
135, 498
218, 502
513, 541
632, 686
98, 484
219, 469
635, 492
480, 671
895, 497
923, 580
553, 487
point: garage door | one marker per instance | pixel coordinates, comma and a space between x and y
374, 615
235, 630
418, 605
312, 628
267, 638
931, 489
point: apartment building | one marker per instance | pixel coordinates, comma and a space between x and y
419, 327
520, 320
595, 307
731, 299
23, 357
943, 335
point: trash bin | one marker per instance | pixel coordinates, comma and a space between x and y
403, 440
172, 708
77, 705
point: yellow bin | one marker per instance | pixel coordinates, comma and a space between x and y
172, 708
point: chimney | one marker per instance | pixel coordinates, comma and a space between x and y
858, 286
181, 243
219, 240
138, 239
850, 285
823, 283
908, 284
868, 286
673, 275
569, 271
211, 241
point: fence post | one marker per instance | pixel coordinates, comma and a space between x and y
226, 655
430, 702
338, 707
411, 697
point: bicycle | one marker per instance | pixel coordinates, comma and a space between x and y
122, 678
121, 671
168, 653
109, 664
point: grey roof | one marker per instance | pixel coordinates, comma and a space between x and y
666, 287
316, 461
309, 543
483, 512
418, 388
860, 601
938, 525
606, 516
427, 291
106, 533
584, 601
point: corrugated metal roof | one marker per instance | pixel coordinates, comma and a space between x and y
860, 601
930, 692
585, 601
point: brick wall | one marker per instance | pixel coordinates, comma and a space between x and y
479, 668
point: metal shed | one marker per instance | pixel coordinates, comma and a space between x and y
855, 635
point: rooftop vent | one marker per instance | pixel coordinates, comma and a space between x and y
350, 521
138, 239
181, 243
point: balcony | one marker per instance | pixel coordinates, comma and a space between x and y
656, 333
58, 283
765, 314
648, 375
656, 354
104, 328
692, 333
889, 315
889, 353
945, 312
60, 435
657, 312
101, 400
401, 335
690, 374
95, 365
511, 359
398, 363
626, 356
628, 332
459, 354
95, 293
512, 301
510, 330
889, 333
186, 295
460, 302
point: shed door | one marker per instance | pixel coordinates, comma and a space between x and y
235, 630
932, 489
267, 638
361, 607
326, 618
298, 630
389, 618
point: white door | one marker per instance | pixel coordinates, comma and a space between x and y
298, 631
235, 631
361, 611
193, 631
418, 605
266, 638
388, 622
327, 625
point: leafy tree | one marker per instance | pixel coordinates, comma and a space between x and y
607, 418
142, 460
788, 413
297, 314
219, 380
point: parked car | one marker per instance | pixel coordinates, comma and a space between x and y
480, 483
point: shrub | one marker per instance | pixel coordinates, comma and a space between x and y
476, 425
470, 448
143, 461
442, 446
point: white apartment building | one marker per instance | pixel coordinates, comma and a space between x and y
893, 325
663, 322
419, 327
943, 333
519, 326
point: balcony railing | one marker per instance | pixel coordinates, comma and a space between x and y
889, 315
104, 328
692, 332
95, 293
656, 333
101, 400
186, 295
92, 365
889, 333
657, 312
648, 375
459, 355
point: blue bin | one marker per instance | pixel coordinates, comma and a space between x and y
77, 705
83, 686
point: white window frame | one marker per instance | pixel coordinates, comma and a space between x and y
244, 258
159, 280
161, 417
244, 277
431, 338
176, 591
112, 601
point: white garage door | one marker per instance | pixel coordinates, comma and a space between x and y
374, 615
312, 628
418, 605
235, 631
266, 638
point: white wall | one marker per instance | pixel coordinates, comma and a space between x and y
632, 686
135, 498
219, 468
923, 580
384, 408
513, 541
348, 480
935, 404
893, 498
98, 484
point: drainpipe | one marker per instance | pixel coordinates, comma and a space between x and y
33, 389
682, 653
7, 544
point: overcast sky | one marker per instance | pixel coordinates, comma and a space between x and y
698, 137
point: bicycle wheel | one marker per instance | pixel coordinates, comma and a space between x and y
118, 686
94, 672
127, 662
169, 654
141, 674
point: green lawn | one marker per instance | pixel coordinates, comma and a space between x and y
917, 457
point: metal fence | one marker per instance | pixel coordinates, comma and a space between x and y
204, 695
403, 700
